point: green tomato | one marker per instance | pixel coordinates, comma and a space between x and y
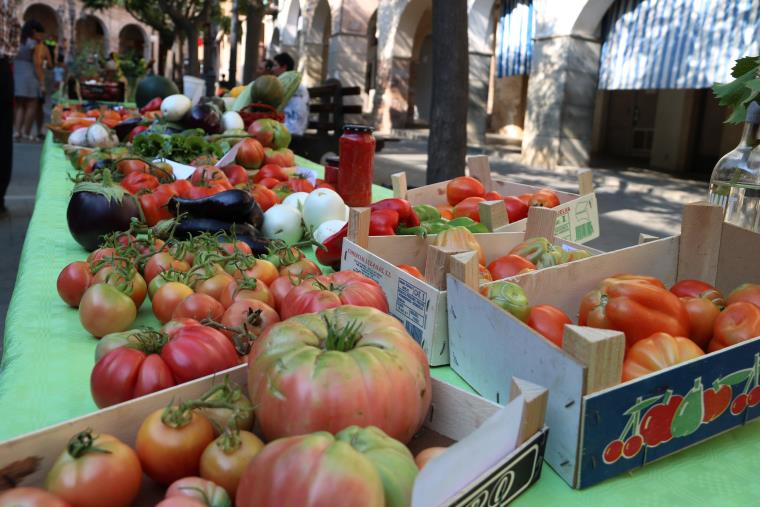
511, 298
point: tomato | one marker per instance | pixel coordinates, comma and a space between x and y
201, 490
426, 455
129, 166
198, 307
509, 265
469, 207
508, 296
281, 287
698, 289
412, 270
73, 281
103, 310
249, 288
463, 187
138, 181
181, 501
241, 314
166, 299
338, 373
739, 322
636, 307
197, 351
171, 327
95, 470
30, 497
236, 174
209, 175
270, 171
525, 198
250, 154
102, 254
170, 443
262, 270
459, 238
658, 352
201, 191
702, 314
749, 292
238, 416
136, 288
354, 469
214, 286
113, 341
154, 208
484, 275
264, 197
300, 267
226, 458
127, 373
545, 198
282, 189
446, 211
492, 196
269, 183
516, 209
549, 321
329, 291
181, 188
300, 185
238, 246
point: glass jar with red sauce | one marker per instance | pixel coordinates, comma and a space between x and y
332, 165
357, 165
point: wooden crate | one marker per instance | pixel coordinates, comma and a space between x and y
421, 304
497, 455
577, 217
588, 406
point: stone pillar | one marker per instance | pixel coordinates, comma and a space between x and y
477, 111
560, 103
673, 127
399, 91
310, 63
291, 50
347, 60
508, 115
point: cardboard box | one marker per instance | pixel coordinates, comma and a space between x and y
503, 446
588, 406
577, 217
421, 304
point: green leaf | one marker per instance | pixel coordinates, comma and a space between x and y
741, 91
745, 65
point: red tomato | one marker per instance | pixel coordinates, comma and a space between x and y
280, 289
249, 288
214, 286
446, 211
329, 291
226, 458
702, 315
545, 198
236, 174
300, 185
101, 254
196, 351
269, 183
426, 455
154, 207
166, 299
73, 281
136, 289
282, 190
463, 187
516, 208
170, 444
163, 261
264, 197
208, 175
137, 181
199, 192
171, 327
198, 306
130, 166
525, 198
261, 270
492, 196
549, 321
181, 188
658, 352
181, 501
749, 292
270, 171
104, 310
199, 490
126, 373
250, 154
300, 267
95, 470
242, 314
739, 322
469, 207
30, 497
698, 289
412, 270
509, 265
238, 246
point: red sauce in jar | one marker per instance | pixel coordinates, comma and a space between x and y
331, 171
357, 165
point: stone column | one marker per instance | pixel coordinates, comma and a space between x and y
399, 91
310, 63
347, 60
477, 112
560, 103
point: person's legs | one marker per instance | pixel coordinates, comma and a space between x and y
6, 128
30, 113
40, 116
19, 116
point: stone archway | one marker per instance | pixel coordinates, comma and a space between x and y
316, 44
288, 27
132, 39
47, 16
91, 31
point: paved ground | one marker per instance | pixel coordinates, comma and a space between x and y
631, 201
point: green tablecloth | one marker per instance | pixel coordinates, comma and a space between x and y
44, 378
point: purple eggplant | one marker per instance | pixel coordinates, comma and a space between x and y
98, 209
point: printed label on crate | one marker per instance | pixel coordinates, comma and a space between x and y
635, 424
578, 220
507, 479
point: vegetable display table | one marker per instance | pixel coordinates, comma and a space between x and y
45, 370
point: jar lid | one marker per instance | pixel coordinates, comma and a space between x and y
333, 161
358, 128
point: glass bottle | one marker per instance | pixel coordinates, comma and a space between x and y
735, 180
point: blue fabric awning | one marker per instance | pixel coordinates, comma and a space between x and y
656, 44
514, 38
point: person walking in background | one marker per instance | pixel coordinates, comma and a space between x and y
29, 77
297, 109
9, 41
48, 51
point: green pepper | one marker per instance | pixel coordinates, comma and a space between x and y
436, 226
417, 230
511, 298
477, 228
688, 416
427, 213
462, 222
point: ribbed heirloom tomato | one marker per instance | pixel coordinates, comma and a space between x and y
347, 365
658, 352
737, 323
329, 291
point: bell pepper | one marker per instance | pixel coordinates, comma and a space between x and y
532, 249
333, 247
420, 230
427, 213
436, 226
635, 307
468, 223
406, 214
153, 105
383, 222
135, 131
510, 297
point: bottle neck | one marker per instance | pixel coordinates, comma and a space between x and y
749, 135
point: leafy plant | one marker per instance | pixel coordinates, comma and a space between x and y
740, 92
131, 65
87, 61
